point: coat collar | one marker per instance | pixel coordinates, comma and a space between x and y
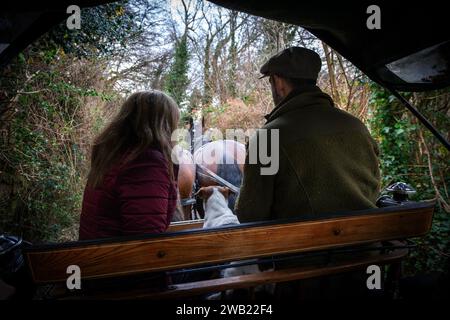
299, 99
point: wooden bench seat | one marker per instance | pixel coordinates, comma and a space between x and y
185, 248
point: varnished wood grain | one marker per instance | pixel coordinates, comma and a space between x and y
214, 246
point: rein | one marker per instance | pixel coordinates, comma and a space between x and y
218, 179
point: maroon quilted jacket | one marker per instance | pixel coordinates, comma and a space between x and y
135, 198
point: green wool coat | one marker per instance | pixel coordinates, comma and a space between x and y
328, 162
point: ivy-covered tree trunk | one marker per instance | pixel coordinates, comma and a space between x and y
232, 56
207, 85
177, 79
392, 127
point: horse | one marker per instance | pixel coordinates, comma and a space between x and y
186, 179
222, 158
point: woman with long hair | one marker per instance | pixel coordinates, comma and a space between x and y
131, 187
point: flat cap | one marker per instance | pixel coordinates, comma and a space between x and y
293, 62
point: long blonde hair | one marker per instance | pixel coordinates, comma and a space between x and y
146, 119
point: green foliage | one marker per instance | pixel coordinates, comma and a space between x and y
401, 141
432, 253
392, 128
177, 78
104, 30
44, 161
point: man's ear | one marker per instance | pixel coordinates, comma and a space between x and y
277, 83
282, 86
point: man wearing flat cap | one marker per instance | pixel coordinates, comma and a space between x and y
328, 162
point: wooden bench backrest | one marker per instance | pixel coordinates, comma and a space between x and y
169, 251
